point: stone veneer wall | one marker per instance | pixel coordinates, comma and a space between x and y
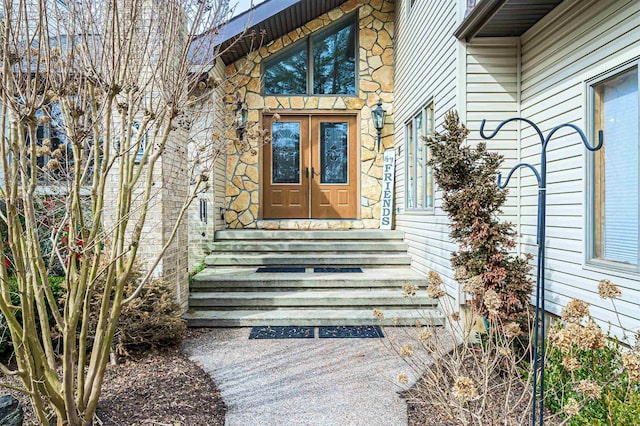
375, 81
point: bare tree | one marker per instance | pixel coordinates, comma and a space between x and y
96, 97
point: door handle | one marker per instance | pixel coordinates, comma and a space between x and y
313, 172
306, 172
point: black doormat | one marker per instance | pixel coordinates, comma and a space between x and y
281, 269
336, 270
353, 332
281, 333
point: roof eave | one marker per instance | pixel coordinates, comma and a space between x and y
480, 15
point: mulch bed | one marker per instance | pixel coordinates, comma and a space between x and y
161, 388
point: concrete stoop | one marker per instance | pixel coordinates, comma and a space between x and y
230, 293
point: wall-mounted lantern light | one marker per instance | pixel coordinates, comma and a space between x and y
378, 120
241, 119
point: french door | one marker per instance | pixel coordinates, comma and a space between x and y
310, 168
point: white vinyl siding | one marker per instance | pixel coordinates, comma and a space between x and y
577, 42
492, 95
544, 76
426, 64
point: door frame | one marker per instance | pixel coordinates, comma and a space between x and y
311, 113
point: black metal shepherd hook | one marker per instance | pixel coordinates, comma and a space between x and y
541, 176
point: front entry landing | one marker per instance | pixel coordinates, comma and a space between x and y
310, 168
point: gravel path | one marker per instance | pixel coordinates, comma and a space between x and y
303, 381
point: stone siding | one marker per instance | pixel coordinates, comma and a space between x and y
375, 81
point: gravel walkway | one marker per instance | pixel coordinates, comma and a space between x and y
303, 381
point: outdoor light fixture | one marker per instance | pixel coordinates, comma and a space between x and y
241, 119
378, 120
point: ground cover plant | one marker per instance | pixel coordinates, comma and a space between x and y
592, 377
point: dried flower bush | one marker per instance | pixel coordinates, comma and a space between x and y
152, 320
591, 378
467, 383
467, 177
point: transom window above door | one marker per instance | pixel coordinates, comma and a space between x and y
323, 63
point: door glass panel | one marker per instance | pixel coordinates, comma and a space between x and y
333, 153
285, 152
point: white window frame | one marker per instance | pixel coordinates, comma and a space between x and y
427, 177
591, 260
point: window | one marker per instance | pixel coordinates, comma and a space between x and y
332, 55
288, 75
52, 140
419, 188
470, 5
53, 145
135, 129
615, 207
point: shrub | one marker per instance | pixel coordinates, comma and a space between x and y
462, 380
150, 321
591, 378
473, 201
6, 347
618, 399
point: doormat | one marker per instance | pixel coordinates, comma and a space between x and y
356, 332
281, 269
281, 333
336, 270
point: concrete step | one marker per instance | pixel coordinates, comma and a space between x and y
309, 317
342, 235
236, 278
231, 293
309, 246
308, 298
306, 259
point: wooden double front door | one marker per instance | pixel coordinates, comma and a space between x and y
310, 168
